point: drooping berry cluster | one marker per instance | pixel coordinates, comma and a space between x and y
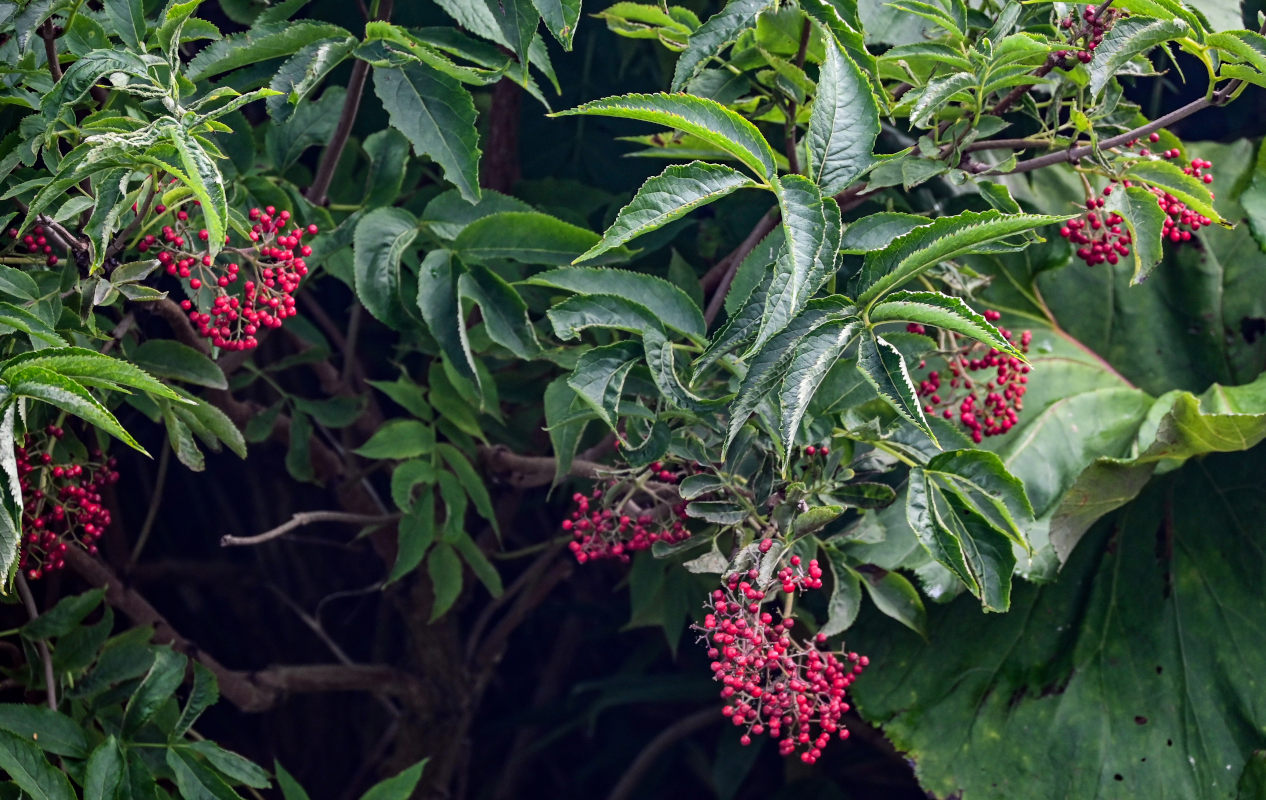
62, 504
1086, 36
1103, 237
773, 683
268, 271
36, 243
986, 405
610, 522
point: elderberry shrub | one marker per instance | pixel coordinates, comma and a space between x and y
793, 689
62, 503
1104, 237
986, 404
627, 514
268, 269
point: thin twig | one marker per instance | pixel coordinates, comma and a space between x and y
307, 518
151, 515
33, 611
318, 191
656, 747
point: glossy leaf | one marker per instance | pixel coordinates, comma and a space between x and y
670, 305
713, 36
844, 123
706, 119
40, 383
670, 195
53, 731
560, 17
813, 358
577, 313
1185, 188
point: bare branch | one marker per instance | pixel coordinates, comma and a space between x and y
308, 518
657, 746
50, 680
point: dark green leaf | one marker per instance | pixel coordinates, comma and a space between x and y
23, 763
883, 366
399, 438
157, 687
504, 312
416, 533
942, 311
194, 780
814, 356
232, 765
714, 36
204, 693
273, 40
399, 787
382, 237
1128, 38
560, 17
670, 305
442, 311
529, 237
39, 383
445, 570
599, 376
104, 772
844, 123
895, 597
171, 359
52, 731
846, 596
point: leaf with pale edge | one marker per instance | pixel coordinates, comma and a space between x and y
884, 368
843, 125
713, 36
943, 311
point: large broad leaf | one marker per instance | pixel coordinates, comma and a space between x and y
925, 246
89, 366
381, 238
1137, 674
676, 192
670, 305
713, 36
259, 44
812, 229
706, 119
580, 312
1128, 38
844, 124
438, 117
24, 763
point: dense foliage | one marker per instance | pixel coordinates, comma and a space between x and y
931, 336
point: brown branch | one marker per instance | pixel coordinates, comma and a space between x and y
526, 472
307, 518
41, 646
50, 49
657, 746
735, 259
248, 690
500, 169
318, 191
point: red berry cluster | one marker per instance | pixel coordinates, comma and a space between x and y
604, 529
36, 243
62, 503
986, 408
1088, 36
1104, 237
772, 683
269, 274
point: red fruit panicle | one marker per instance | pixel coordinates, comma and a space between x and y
794, 690
614, 521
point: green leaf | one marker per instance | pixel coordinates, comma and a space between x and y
981, 481
884, 368
699, 484
399, 787
408, 395
104, 772
39, 383
1247, 46
442, 311
406, 477
517, 20
89, 366
416, 534
670, 195
668, 304
812, 229
980, 556
937, 95
504, 312
527, 236
381, 239
846, 596
290, 788
273, 40
1128, 38
577, 313
942, 311
479, 564
565, 424
813, 358
438, 117
157, 687
1184, 187
706, 119
52, 731
843, 125
204, 694
127, 19
560, 17
169, 33
718, 512
721, 29
399, 438
1145, 220
24, 764
171, 359
911, 254
226, 762
24, 320
449, 212
194, 780
599, 377
388, 154
1252, 785
815, 519
299, 451
470, 481
303, 72
84, 74
181, 438
861, 494
893, 595
445, 570
64, 617
1148, 646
